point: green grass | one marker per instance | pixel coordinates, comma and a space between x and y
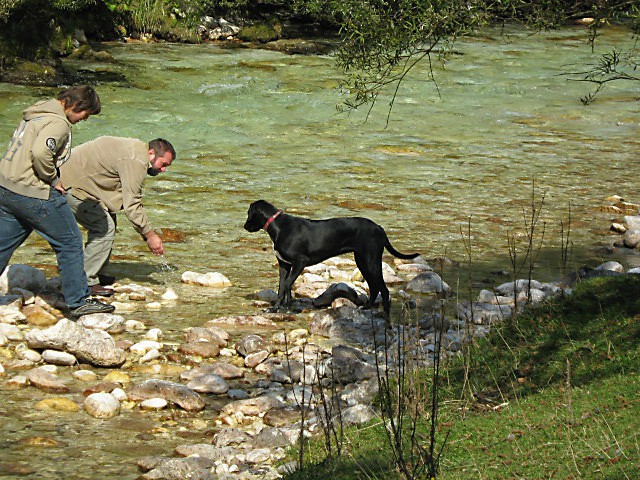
552, 393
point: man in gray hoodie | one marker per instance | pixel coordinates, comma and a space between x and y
32, 197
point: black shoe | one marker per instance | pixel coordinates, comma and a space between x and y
106, 280
91, 305
100, 291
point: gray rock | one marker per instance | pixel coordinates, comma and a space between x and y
211, 334
510, 288
102, 405
251, 343
90, 346
231, 436
108, 322
252, 406
192, 468
22, 276
357, 414
222, 369
483, 313
270, 437
206, 450
611, 266
201, 349
210, 383
176, 393
428, 282
56, 357
46, 381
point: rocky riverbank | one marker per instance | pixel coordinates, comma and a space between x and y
260, 390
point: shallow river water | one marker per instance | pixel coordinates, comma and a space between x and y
254, 124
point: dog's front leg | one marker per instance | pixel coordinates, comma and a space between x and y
283, 271
286, 284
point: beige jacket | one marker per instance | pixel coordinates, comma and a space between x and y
110, 170
39, 145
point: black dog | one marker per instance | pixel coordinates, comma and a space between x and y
299, 242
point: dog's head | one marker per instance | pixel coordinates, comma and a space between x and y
258, 214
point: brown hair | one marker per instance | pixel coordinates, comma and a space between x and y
162, 146
79, 98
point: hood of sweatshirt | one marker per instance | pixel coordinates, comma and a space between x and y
45, 108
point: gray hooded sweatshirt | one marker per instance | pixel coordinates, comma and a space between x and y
40, 144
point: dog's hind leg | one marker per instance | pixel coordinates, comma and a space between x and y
370, 265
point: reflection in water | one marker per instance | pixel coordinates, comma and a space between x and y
251, 125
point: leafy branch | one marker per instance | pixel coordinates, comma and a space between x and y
611, 67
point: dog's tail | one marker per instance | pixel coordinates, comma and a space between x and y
395, 253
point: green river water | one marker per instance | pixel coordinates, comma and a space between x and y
256, 124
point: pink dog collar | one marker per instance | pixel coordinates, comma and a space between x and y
271, 219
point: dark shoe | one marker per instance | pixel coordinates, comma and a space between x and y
91, 305
100, 291
106, 280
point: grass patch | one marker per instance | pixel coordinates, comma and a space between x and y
552, 393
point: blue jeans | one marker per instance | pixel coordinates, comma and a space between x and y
53, 220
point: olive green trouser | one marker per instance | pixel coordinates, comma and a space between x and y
101, 231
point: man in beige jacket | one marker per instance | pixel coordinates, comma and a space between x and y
102, 177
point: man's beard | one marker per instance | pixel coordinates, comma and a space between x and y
153, 171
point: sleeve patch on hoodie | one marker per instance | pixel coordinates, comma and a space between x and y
51, 144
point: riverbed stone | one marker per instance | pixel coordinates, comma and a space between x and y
60, 404
251, 343
246, 321
206, 450
56, 357
46, 381
521, 284
192, 468
85, 375
11, 314
252, 406
209, 279
256, 358
12, 332
203, 349
173, 392
231, 436
38, 316
483, 313
91, 346
22, 276
224, 370
154, 404
117, 376
357, 415
16, 382
428, 282
611, 266
210, 334
102, 405
154, 334
210, 383
109, 322
145, 346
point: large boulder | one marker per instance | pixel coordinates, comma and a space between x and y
90, 346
